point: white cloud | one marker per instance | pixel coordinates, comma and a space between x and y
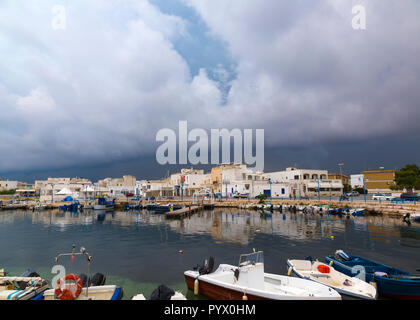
101, 88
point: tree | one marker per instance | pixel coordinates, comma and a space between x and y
408, 177
347, 188
262, 198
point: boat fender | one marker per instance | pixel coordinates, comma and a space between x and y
244, 297
323, 268
331, 263
196, 284
374, 284
289, 272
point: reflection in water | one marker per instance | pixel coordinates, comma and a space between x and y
140, 250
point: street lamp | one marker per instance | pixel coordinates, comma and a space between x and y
319, 195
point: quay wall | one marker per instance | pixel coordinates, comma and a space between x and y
384, 208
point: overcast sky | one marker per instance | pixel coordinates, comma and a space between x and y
88, 100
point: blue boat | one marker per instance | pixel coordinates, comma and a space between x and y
391, 282
103, 204
358, 213
73, 207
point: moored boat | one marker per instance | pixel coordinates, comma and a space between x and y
104, 204
347, 286
74, 287
390, 282
25, 287
248, 281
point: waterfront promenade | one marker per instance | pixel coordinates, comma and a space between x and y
395, 209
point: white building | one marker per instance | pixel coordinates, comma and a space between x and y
307, 182
56, 189
10, 185
356, 180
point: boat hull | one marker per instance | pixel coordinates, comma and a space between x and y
217, 292
401, 289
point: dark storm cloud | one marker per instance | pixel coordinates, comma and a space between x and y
97, 92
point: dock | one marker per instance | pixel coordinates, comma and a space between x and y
181, 213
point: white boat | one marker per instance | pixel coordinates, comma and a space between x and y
324, 274
107, 292
250, 282
72, 287
21, 288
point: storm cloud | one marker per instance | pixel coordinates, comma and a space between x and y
99, 90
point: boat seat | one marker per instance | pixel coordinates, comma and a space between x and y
304, 265
12, 294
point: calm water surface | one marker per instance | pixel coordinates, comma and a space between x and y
139, 251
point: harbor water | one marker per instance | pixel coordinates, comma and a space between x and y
139, 250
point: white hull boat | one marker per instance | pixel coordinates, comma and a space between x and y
324, 274
250, 282
108, 292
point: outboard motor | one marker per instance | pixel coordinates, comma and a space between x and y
28, 273
98, 279
162, 293
84, 279
207, 266
406, 218
341, 255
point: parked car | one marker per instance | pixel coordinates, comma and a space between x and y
352, 194
150, 198
382, 197
135, 198
410, 196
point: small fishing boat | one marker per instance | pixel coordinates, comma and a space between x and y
357, 212
351, 287
39, 207
390, 282
249, 281
25, 287
73, 287
104, 204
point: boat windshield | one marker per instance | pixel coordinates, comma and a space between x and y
252, 258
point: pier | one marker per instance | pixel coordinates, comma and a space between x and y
181, 213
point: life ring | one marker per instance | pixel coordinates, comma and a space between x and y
67, 294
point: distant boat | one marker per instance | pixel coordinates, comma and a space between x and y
391, 282
357, 212
248, 281
104, 204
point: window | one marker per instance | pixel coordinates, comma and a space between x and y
296, 177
